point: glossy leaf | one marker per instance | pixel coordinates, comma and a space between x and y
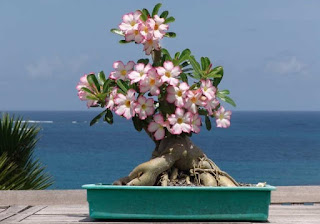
117, 31
184, 77
137, 123
146, 12
109, 116
217, 70
224, 92
164, 14
170, 34
208, 123
106, 85
184, 55
124, 42
196, 66
144, 61
97, 118
166, 52
170, 20
122, 85
143, 16
185, 64
102, 77
86, 90
93, 81
156, 9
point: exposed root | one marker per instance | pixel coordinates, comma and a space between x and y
177, 161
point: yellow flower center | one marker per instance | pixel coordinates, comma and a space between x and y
156, 26
136, 32
133, 23
152, 82
193, 100
221, 116
179, 121
127, 103
123, 72
150, 41
168, 74
205, 88
143, 106
146, 29
179, 93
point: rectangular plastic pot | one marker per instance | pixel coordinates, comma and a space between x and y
178, 203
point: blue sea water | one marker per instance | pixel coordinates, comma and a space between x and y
280, 148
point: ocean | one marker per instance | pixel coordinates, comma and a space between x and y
280, 148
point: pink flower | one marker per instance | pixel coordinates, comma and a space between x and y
193, 100
157, 126
211, 105
157, 26
144, 107
130, 22
121, 70
125, 104
208, 89
177, 94
150, 44
195, 123
222, 117
140, 72
144, 31
169, 73
180, 121
111, 98
134, 35
152, 82
83, 94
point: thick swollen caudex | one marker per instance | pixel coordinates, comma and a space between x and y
174, 155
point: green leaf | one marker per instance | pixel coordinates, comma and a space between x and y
228, 100
144, 61
156, 9
170, 20
164, 14
187, 69
109, 117
124, 42
205, 63
216, 71
92, 97
170, 34
208, 123
117, 31
166, 52
143, 16
146, 12
202, 112
97, 118
137, 123
184, 77
196, 67
87, 90
224, 92
184, 55
106, 85
185, 64
102, 77
93, 81
176, 56
123, 86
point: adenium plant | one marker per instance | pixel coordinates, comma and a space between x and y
168, 96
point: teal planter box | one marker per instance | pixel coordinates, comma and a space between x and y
178, 203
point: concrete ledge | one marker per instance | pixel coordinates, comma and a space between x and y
283, 194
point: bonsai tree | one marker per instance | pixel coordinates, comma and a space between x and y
19, 170
169, 97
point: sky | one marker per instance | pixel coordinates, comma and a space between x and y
270, 50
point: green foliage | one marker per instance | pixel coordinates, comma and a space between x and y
156, 9
19, 170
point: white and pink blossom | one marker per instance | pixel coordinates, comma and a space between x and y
195, 123
144, 107
180, 121
177, 94
139, 73
211, 105
158, 126
125, 104
110, 99
83, 94
130, 22
193, 100
223, 117
152, 82
150, 44
157, 26
121, 70
208, 89
134, 35
169, 73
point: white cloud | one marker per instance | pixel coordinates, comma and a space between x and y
53, 67
287, 66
